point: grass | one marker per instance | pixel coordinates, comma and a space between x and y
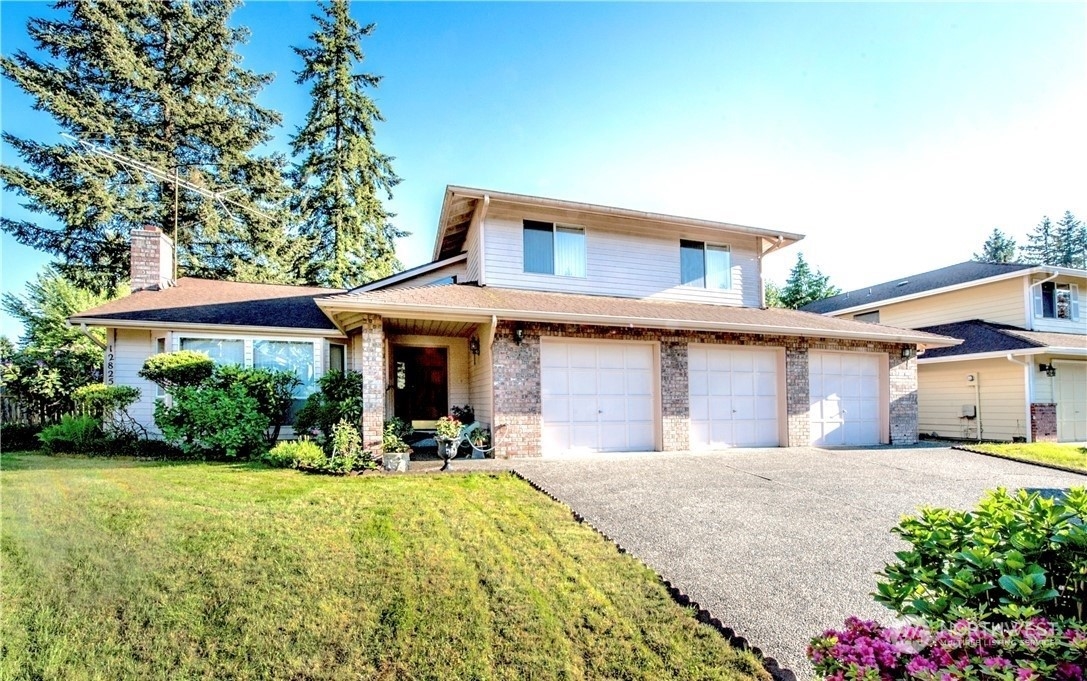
114, 569
1068, 456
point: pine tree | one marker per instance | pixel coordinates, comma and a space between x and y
1071, 250
342, 175
805, 286
159, 82
999, 247
1042, 245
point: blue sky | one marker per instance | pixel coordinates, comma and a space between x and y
895, 136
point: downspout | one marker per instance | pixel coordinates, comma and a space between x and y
1026, 393
86, 332
1051, 277
763, 251
494, 329
483, 244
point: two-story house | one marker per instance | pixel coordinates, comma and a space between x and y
568, 327
1021, 371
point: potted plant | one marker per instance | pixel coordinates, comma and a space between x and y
480, 439
396, 453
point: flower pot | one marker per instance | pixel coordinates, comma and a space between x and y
397, 461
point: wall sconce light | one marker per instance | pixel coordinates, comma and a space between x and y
907, 352
1049, 369
518, 335
473, 345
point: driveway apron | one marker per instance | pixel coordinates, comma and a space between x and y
779, 544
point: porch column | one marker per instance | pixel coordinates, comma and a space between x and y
903, 397
675, 396
371, 362
516, 427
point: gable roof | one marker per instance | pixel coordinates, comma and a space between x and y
981, 337
468, 302
192, 301
953, 275
461, 205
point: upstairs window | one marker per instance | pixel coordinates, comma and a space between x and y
1056, 301
705, 265
554, 249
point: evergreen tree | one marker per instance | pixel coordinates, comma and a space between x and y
806, 286
999, 247
1042, 247
773, 295
159, 82
341, 175
44, 309
1071, 242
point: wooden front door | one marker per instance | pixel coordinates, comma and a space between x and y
421, 385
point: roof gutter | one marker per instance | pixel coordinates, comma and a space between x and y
209, 328
482, 315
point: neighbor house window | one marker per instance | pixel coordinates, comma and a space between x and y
221, 350
554, 249
1056, 301
705, 265
872, 317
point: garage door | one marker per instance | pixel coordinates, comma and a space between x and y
845, 398
734, 397
1071, 390
597, 397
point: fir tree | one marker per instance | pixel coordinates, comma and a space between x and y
1042, 244
159, 82
999, 247
341, 176
1071, 250
806, 286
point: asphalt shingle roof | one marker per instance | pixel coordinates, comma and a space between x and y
918, 283
980, 336
509, 303
207, 301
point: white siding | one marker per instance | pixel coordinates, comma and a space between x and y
472, 246
635, 263
130, 349
456, 269
942, 390
1001, 301
481, 383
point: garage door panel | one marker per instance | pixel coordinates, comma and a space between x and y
597, 396
733, 396
1071, 394
845, 404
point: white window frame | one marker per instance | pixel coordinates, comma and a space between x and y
556, 228
707, 246
1073, 303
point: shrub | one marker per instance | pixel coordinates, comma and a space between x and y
73, 435
1014, 557
100, 400
208, 422
158, 449
346, 447
339, 399
465, 414
18, 436
393, 441
272, 389
180, 369
302, 453
1033, 650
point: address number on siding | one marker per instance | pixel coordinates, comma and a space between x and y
111, 359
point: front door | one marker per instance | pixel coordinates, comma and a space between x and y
421, 385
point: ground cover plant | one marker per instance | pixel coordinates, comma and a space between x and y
124, 569
1066, 455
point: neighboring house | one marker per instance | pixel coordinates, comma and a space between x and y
1021, 371
568, 327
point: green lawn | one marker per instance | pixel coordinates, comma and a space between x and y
117, 569
1069, 456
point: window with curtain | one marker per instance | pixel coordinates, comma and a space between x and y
705, 265
554, 249
221, 350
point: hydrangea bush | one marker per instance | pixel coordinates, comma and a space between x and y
1032, 650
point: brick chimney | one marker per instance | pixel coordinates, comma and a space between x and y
152, 259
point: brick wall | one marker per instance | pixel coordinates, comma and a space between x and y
517, 426
1043, 422
151, 263
370, 360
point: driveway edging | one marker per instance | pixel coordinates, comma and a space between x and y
771, 665
1054, 466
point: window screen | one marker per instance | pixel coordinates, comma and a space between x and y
692, 263
539, 247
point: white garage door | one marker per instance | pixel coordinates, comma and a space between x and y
1071, 390
597, 397
845, 400
734, 397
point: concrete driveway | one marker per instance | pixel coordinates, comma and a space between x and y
779, 544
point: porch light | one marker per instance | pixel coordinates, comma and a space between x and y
907, 352
518, 335
473, 345
1048, 369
